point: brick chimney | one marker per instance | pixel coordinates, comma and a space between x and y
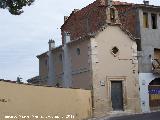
105, 2
67, 38
51, 44
146, 2
109, 2
65, 18
75, 10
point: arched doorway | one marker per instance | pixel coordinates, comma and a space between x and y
154, 94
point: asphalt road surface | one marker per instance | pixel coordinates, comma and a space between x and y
147, 116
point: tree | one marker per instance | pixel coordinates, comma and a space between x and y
15, 6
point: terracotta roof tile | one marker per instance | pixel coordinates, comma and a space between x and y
77, 20
92, 17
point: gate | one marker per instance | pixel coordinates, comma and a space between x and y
154, 97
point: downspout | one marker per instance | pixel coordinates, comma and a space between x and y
67, 70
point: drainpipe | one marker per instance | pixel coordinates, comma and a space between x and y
67, 76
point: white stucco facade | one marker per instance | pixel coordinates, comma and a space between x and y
144, 80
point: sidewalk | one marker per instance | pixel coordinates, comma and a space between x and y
142, 116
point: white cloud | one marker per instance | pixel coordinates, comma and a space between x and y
25, 36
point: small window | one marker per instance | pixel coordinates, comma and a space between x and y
145, 20
78, 51
115, 51
60, 57
46, 62
154, 21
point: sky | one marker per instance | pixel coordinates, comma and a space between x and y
24, 37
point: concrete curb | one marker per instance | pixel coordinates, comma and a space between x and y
121, 115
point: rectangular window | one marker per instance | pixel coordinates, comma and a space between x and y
145, 20
156, 53
154, 21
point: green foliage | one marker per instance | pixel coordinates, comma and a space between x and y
15, 6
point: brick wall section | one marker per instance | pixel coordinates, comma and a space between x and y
94, 16
86, 20
128, 18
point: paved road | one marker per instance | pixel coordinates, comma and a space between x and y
148, 116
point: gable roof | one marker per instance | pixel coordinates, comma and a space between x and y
90, 19
84, 11
127, 15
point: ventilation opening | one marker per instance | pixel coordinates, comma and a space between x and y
115, 51
78, 51
60, 57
